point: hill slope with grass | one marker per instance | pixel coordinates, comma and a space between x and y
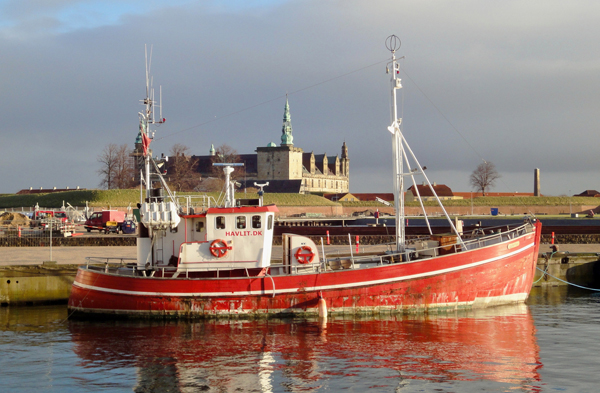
124, 198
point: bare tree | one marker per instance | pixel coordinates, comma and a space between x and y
182, 175
117, 167
225, 153
484, 177
124, 176
108, 162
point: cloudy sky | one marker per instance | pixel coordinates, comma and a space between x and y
512, 82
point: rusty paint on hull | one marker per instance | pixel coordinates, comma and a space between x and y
496, 274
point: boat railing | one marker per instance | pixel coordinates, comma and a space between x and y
192, 203
108, 263
125, 266
494, 235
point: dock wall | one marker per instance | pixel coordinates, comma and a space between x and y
582, 269
24, 285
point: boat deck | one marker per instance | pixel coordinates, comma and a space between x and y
417, 249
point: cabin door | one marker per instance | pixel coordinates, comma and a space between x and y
198, 230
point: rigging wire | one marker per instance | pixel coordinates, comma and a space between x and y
475, 151
273, 99
443, 115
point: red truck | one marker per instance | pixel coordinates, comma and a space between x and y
46, 214
105, 221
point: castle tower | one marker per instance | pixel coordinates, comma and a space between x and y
212, 150
281, 162
345, 161
286, 131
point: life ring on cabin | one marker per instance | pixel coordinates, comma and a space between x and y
304, 254
218, 248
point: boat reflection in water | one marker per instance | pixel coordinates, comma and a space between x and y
495, 345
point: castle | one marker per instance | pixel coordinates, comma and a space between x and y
288, 168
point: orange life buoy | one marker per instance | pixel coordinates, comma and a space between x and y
304, 257
218, 248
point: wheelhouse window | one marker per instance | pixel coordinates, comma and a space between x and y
220, 222
199, 226
270, 223
256, 222
240, 222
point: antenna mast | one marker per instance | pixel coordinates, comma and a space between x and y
147, 118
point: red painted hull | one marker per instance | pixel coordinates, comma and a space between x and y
497, 274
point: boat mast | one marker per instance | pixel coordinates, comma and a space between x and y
401, 154
147, 118
393, 43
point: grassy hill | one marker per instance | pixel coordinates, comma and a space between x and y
122, 198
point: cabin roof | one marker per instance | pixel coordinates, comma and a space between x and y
242, 209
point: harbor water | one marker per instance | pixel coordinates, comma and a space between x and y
550, 344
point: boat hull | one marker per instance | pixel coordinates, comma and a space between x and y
501, 273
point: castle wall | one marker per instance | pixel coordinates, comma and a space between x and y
326, 184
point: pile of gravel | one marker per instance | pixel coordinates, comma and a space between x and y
14, 219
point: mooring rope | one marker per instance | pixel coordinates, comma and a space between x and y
545, 271
566, 282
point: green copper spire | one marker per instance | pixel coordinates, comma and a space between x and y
286, 130
138, 139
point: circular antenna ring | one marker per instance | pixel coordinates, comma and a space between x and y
393, 43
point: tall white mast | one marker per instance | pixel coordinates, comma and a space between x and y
402, 153
393, 43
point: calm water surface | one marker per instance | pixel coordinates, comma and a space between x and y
552, 344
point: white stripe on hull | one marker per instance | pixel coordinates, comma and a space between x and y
315, 288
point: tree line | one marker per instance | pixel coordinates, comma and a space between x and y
118, 167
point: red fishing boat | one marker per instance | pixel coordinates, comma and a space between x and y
198, 259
